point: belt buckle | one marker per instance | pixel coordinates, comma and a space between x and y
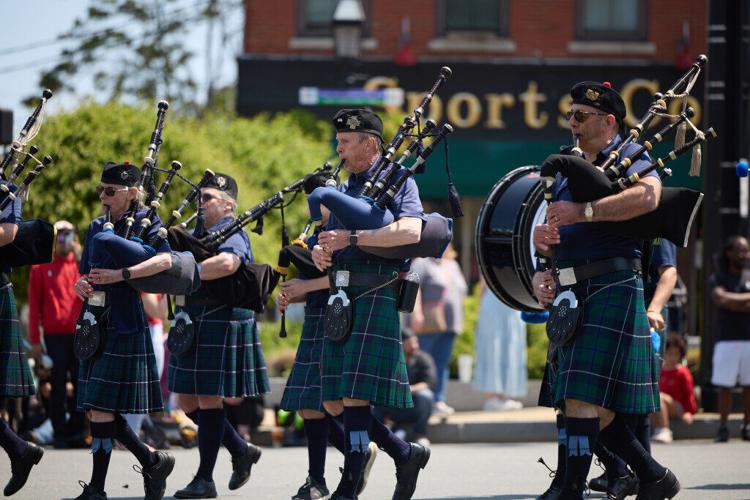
567, 276
179, 300
342, 279
98, 299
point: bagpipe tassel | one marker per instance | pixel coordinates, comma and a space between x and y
679, 136
695, 161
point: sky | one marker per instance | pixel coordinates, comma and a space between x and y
27, 47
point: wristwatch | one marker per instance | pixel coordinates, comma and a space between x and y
589, 212
353, 238
125, 274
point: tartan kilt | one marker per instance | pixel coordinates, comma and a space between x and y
123, 379
302, 391
369, 364
226, 360
15, 375
611, 361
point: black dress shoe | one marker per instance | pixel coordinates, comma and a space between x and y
622, 487
198, 488
552, 493
241, 466
90, 492
338, 496
599, 483
21, 467
155, 476
370, 455
312, 490
406, 473
666, 487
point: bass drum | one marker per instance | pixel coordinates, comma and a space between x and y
504, 232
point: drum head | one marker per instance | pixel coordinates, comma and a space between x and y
504, 232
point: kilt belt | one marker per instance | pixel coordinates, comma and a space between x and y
571, 275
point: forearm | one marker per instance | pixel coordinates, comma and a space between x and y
405, 231
738, 302
7, 233
663, 290
316, 284
154, 265
642, 198
419, 386
219, 266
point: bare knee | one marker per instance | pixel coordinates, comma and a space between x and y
233, 401
335, 408
210, 402
187, 402
356, 402
580, 409
101, 417
311, 414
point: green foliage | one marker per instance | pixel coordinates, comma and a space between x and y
536, 355
263, 153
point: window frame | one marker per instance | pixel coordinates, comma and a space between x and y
641, 34
502, 30
305, 32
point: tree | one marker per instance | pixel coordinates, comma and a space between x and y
135, 49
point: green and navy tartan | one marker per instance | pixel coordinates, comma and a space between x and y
123, 379
15, 375
302, 391
369, 364
611, 361
226, 360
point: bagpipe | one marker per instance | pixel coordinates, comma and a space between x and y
113, 251
677, 207
35, 239
369, 209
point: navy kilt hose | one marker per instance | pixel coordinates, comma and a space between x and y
302, 391
369, 364
123, 379
611, 361
226, 360
15, 375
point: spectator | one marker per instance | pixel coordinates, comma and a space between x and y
501, 354
675, 391
439, 316
422, 381
54, 308
730, 290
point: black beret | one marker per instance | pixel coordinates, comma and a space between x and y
601, 96
121, 174
224, 183
358, 120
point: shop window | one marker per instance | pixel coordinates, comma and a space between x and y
473, 16
617, 20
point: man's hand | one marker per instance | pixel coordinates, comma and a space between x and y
544, 236
105, 276
321, 258
282, 301
564, 213
294, 290
544, 288
83, 288
36, 351
334, 240
687, 418
655, 319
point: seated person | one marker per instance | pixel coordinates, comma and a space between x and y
422, 379
675, 391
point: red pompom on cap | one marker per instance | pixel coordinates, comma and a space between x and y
607, 84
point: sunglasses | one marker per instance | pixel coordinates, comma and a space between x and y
109, 191
206, 197
581, 116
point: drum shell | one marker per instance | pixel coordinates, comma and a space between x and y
504, 232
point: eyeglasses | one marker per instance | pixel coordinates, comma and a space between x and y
581, 116
109, 191
206, 197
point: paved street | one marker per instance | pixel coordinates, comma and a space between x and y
462, 471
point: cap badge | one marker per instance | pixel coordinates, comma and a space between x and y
123, 175
592, 95
352, 122
221, 182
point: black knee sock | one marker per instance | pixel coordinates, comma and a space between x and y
582, 434
232, 441
562, 446
101, 451
356, 422
210, 433
336, 432
614, 465
619, 438
129, 439
316, 430
641, 427
13, 445
398, 449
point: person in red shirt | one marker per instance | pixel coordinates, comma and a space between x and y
53, 309
675, 391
